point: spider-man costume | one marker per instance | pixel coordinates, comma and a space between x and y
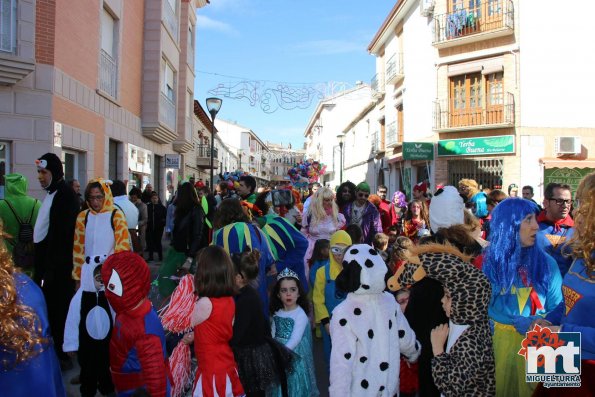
137, 346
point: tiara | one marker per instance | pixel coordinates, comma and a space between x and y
287, 273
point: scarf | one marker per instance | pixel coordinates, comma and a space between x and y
557, 225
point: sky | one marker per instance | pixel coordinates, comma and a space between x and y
271, 60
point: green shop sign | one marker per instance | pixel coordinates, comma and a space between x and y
567, 176
476, 146
418, 151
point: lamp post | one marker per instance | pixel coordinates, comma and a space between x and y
341, 139
213, 106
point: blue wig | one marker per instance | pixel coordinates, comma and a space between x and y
504, 256
480, 209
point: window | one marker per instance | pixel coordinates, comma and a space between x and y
168, 81
466, 99
108, 65
8, 25
189, 104
170, 18
190, 49
70, 161
4, 165
495, 98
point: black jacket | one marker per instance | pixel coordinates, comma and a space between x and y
187, 235
53, 255
156, 217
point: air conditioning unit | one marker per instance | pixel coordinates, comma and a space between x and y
426, 7
567, 145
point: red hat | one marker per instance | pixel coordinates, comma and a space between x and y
422, 187
199, 185
127, 280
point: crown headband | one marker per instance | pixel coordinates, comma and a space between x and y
287, 273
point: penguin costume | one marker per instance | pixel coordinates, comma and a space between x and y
88, 329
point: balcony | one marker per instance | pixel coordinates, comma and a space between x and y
447, 119
108, 74
203, 157
376, 143
393, 138
167, 112
171, 20
377, 85
394, 69
490, 19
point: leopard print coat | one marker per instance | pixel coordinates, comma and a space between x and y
468, 369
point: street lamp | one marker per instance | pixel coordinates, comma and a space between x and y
341, 139
213, 106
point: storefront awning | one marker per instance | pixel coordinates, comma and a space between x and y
395, 160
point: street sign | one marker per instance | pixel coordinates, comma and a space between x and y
476, 146
172, 161
418, 151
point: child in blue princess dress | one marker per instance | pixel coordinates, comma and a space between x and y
290, 326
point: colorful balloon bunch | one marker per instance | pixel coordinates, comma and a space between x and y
305, 172
233, 178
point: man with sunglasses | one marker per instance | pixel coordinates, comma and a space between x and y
363, 213
555, 223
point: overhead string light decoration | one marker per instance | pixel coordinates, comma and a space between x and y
272, 95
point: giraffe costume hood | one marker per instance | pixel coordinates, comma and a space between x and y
98, 234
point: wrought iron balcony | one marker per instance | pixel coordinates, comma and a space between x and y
203, 156
393, 138
489, 19
377, 85
447, 118
108, 74
394, 68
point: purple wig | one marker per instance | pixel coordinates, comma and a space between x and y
401, 199
504, 257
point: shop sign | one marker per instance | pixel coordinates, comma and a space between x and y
172, 161
476, 146
418, 151
139, 160
565, 176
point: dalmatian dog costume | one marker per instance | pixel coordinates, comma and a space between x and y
368, 330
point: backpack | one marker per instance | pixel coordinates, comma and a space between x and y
23, 251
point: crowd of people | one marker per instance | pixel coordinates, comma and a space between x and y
423, 297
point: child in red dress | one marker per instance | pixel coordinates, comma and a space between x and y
212, 323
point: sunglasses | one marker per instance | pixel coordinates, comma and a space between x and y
363, 195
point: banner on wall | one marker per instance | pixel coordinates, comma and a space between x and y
418, 151
476, 146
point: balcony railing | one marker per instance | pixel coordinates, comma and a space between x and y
394, 68
204, 151
376, 142
167, 112
171, 20
490, 16
493, 116
392, 136
108, 74
377, 85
